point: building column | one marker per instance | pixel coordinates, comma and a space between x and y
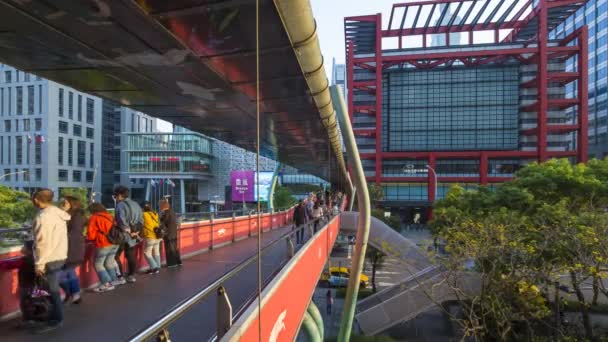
583, 96
378, 98
182, 196
483, 169
541, 74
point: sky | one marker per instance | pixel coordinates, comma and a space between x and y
330, 23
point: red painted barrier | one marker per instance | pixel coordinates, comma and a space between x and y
194, 238
282, 311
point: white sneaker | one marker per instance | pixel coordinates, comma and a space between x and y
131, 279
104, 288
119, 281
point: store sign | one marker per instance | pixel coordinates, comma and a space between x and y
161, 159
242, 183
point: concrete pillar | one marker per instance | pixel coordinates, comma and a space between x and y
182, 196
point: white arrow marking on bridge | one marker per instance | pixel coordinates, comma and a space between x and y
221, 232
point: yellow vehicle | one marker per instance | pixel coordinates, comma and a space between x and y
338, 277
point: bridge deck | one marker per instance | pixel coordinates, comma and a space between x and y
116, 315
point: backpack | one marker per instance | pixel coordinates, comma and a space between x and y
136, 227
115, 235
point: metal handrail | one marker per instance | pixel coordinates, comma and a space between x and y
181, 308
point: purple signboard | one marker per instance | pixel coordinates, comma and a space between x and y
242, 183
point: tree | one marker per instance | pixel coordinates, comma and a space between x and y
283, 197
376, 259
550, 220
376, 193
16, 207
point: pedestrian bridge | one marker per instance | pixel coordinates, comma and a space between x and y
219, 257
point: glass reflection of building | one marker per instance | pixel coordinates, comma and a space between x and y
171, 165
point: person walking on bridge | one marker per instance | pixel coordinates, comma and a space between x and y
50, 251
129, 219
152, 249
169, 221
299, 218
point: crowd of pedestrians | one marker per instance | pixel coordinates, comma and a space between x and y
313, 209
60, 233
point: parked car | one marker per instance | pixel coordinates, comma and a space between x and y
338, 277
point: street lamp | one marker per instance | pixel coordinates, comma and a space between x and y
12, 173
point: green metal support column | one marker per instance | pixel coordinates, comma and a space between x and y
363, 221
273, 186
314, 312
311, 328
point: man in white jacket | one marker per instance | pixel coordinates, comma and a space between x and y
50, 250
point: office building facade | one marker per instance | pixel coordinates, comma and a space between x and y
595, 16
431, 113
50, 134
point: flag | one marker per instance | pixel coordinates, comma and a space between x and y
152, 182
29, 139
39, 139
160, 182
170, 182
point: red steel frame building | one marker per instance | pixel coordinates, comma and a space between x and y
529, 23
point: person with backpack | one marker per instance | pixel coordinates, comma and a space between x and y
128, 219
100, 224
50, 251
168, 221
69, 280
151, 236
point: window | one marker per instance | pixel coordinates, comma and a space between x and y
8, 76
92, 156
38, 175
90, 133
17, 76
37, 124
40, 99
26, 77
82, 152
19, 101
30, 100
2, 101
132, 128
7, 126
79, 110
60, 102
76, 176
7, 176
1, 150
10, 149
63, 127
10, 101
26, 125
19, 149
70, 151
70, 105
38, 151
77, 130
90, 117
62, 175
60, 151
26, 175
89, 176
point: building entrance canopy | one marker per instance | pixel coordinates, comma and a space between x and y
188, 62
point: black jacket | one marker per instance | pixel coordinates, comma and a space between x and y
168, 219
299, 215
76, 244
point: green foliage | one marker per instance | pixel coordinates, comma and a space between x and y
376, 193
283, 197
376, 259
392, 221
15, 207
81, 193
549, 220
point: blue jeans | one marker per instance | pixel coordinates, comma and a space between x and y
52, 274
105, 265
152, 252
69, 281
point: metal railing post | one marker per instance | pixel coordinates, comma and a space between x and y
249, 224
233, 227
211, 232
291, 250
224, 312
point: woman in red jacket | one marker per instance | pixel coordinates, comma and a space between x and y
100, 224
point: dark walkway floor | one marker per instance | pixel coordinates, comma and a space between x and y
116, 315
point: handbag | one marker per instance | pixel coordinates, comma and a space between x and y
160, 232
